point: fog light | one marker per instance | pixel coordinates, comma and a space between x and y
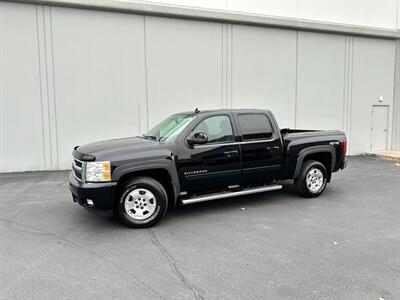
89, 202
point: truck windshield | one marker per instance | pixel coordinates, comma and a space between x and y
170, 128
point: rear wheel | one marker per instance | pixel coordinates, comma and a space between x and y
312, 180
142, 203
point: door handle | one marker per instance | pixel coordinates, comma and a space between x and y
272, 148
231, 153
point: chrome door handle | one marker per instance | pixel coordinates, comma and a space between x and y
231, 153
273, 148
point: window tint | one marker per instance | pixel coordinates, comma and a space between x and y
255, 126
169, 128
218, 129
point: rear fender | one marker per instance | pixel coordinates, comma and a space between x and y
312, 150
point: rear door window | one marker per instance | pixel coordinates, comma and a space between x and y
255, 127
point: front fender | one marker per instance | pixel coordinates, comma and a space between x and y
167, 164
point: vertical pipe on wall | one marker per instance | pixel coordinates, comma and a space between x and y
396, 101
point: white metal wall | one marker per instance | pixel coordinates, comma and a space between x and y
184, 66
21, 102
373, 66
264, 70
72, 76
99, 77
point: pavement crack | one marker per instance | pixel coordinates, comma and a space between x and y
172, 263
34, 230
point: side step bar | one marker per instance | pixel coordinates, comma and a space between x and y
266, 188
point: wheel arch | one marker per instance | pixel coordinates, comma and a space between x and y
325, 154
162, 172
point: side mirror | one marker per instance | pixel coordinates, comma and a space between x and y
198, 138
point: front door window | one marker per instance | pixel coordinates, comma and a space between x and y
217, 128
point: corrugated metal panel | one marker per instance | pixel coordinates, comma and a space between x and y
320, 85
21, 116
264, 70
373, 76
184, 66
99, 76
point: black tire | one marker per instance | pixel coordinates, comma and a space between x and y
301, 182
146, 184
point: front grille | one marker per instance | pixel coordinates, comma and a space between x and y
78, 163
77, 167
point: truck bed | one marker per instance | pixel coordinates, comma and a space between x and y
288, 132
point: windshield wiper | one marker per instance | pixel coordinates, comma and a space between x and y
151, 137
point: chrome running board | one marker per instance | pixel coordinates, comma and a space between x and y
228, 194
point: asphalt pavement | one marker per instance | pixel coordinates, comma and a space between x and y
343, 245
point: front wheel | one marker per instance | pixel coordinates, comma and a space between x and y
312, 180
142, 203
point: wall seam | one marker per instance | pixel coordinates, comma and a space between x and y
296, 79
397, 15
145, 72
231, 66
227, 66
395, 140
54, 88
47, 90
344, 113
41, 88
350, 100
222, 65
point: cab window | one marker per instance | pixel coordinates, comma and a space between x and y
217, 128
255, 127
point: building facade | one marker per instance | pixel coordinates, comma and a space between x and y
73, 72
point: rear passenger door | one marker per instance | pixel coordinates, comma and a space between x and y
260, 149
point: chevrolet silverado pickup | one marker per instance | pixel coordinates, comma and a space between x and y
201, 156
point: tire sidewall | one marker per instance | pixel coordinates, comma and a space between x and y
161, 205
308, 167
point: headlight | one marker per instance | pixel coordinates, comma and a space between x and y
98, 171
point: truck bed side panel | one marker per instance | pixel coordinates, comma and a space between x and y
300, 143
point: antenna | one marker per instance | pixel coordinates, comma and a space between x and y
196, 111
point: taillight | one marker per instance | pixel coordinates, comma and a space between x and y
344, 149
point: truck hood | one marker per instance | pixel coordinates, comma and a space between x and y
100, 150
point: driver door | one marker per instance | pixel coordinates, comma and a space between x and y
213, 165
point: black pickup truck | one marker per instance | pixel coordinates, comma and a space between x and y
200, 156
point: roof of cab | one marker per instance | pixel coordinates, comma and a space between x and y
203, 112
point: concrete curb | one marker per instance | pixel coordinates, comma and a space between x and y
384, 156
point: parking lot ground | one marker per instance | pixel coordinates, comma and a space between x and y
342, 245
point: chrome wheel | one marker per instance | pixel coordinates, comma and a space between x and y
314, 180
140, 204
